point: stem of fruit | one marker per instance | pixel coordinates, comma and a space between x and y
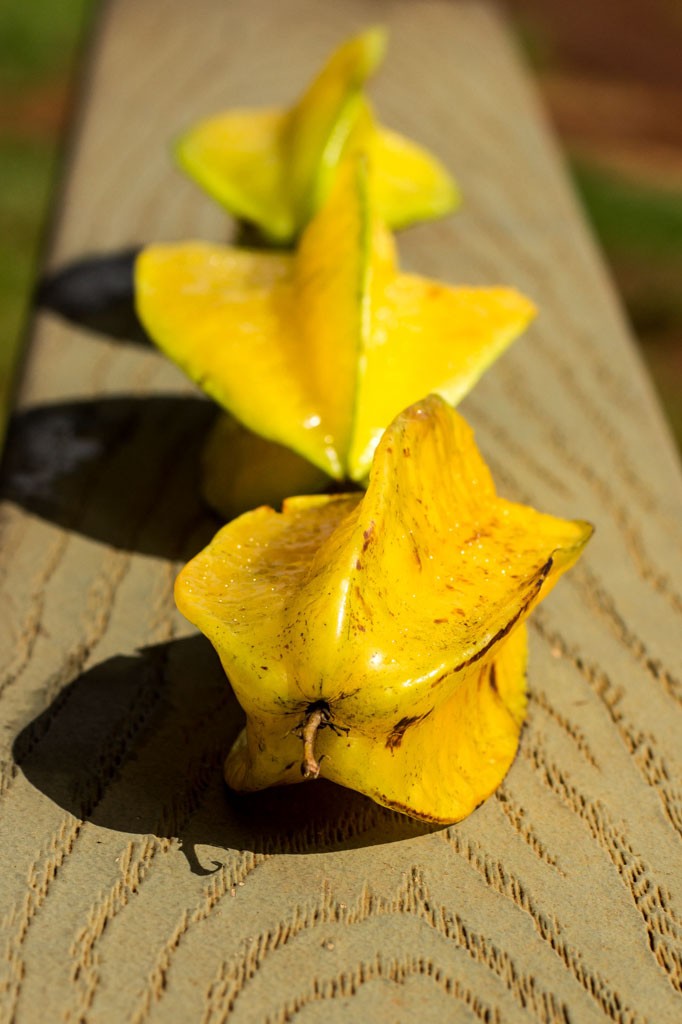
310, 767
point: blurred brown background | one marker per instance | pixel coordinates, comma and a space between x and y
611, 76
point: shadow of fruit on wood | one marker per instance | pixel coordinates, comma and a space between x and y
137, 744
139, 473
96, 292
124, 471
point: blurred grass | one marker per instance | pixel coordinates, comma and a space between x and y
640, 230
38, 39
26, 173
630, 217
39, 43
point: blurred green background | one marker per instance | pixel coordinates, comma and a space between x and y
40, 43
611, 75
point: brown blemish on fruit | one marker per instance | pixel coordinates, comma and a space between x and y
477, 535
395, 805
540, 578
347, 694
368, 534
357, 591
395, 737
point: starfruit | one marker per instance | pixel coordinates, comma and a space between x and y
378, 640
240, 470
320, 349
274, 168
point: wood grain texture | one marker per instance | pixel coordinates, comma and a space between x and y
134, 887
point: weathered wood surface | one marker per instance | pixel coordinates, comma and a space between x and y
133, 887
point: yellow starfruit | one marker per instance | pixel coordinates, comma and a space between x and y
240, 470
274, 168
318, 350
378, 639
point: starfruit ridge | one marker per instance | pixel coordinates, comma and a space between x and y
256, 329
274, 168
396, 616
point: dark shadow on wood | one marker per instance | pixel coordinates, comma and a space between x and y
137, 745
121, 470
96, 292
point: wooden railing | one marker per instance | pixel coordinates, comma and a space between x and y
134, 887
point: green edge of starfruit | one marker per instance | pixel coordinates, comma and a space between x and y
318, 350
274, 168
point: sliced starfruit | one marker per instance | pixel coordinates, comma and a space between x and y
319, 350
377, 640
274, 168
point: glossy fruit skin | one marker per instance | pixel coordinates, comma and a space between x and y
254, 330
274, 168
398, 614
